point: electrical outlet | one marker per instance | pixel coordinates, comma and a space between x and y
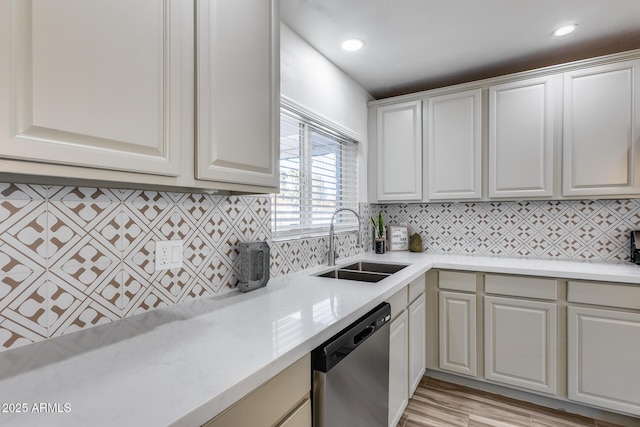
168, 254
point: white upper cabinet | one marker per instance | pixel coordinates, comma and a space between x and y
601, 125
93, 84
399, 152
238, 96
521, 142
567, 131
454, 146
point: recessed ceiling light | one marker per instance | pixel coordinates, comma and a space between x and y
563, 31
352, 44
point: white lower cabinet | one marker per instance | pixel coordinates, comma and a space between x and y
407, 351
540, 334
417, 337
300, 417
520, 343
398, 367
457, 332
282, 401
604, 358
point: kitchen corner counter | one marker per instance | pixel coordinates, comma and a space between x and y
185, 364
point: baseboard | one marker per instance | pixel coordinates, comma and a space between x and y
548, 402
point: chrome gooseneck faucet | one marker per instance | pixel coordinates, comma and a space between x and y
332, 252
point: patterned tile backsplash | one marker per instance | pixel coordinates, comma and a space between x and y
594, 230
75, 257
72, 258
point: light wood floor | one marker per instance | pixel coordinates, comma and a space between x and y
441, 404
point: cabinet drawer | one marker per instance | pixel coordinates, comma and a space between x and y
271, 401
456, 281
605, 294
398, 302
416, 288
522, 286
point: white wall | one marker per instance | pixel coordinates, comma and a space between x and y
314, 83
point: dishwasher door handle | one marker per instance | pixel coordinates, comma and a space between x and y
363, 335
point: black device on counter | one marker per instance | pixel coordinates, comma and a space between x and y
254, 265
635, 247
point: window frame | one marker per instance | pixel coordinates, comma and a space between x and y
328, 129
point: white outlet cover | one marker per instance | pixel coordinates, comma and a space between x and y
168, 254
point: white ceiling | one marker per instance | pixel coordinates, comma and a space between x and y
420, 44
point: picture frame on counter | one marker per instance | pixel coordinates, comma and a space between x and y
398, 236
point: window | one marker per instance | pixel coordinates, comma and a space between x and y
318, 174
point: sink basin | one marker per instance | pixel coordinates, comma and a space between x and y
363, 271
362, 276
374, 267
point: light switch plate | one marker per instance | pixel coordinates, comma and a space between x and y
168, 254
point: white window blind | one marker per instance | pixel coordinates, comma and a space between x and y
318, 174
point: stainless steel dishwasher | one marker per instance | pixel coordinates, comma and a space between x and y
351, 374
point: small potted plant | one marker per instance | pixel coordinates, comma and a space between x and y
380, 243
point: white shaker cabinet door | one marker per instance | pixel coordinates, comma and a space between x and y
94, 83
457, 332
398, 368
521, 138
417, 339
238, 91
454, 146
399, 152
520, 343
601, 130
603, 349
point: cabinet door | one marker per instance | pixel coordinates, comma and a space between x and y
399, 152
417, 339
95, 84
603, 349
398, 368
454, 146
520, 343
238, 99
457, 332
521, 138
601, 130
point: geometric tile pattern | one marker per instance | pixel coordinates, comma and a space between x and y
594, 230
76, 257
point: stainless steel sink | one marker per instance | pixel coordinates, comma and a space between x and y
374, 267
362, 276
363, 271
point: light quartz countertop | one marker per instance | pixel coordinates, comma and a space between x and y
185, 364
